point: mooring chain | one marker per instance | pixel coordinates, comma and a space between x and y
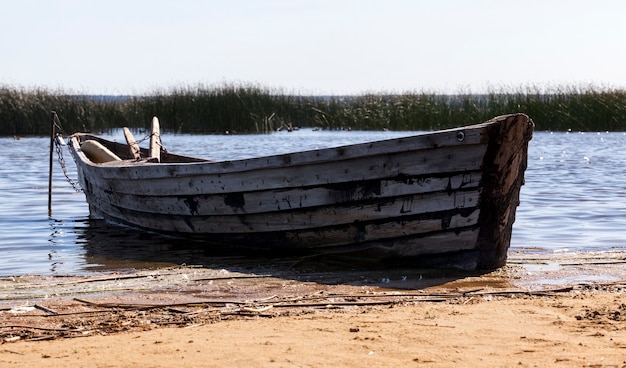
159, 141
147, 137
59, 149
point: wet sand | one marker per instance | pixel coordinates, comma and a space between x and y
563, 310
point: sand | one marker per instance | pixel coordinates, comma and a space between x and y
536, 312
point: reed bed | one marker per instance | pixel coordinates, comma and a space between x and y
255, 109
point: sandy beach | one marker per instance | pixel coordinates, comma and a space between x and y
538, 311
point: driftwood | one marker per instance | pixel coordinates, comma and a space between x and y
47, 310
72, 320
348, 299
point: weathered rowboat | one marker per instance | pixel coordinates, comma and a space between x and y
446, 198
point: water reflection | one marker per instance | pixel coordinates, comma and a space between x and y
107, 247
112, 247
63, 254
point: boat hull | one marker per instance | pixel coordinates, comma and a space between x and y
446, 198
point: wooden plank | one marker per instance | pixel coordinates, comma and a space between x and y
332, 237
410, 145
289, 198
155, 140
297, 219
441, 242
203, 178
135, 151
412, 237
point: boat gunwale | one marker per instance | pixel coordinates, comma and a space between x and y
431, 140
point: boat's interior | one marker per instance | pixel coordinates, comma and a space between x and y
99, 150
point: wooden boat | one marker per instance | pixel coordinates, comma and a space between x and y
446, 198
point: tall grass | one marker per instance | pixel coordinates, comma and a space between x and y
27, 112
254, 109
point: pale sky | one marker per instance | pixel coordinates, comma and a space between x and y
325, 47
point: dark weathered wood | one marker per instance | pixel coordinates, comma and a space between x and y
307, 218
299, 197
504, 166
449, 192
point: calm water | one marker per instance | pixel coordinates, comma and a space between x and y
574, 200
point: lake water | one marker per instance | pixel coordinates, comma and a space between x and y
574, 200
